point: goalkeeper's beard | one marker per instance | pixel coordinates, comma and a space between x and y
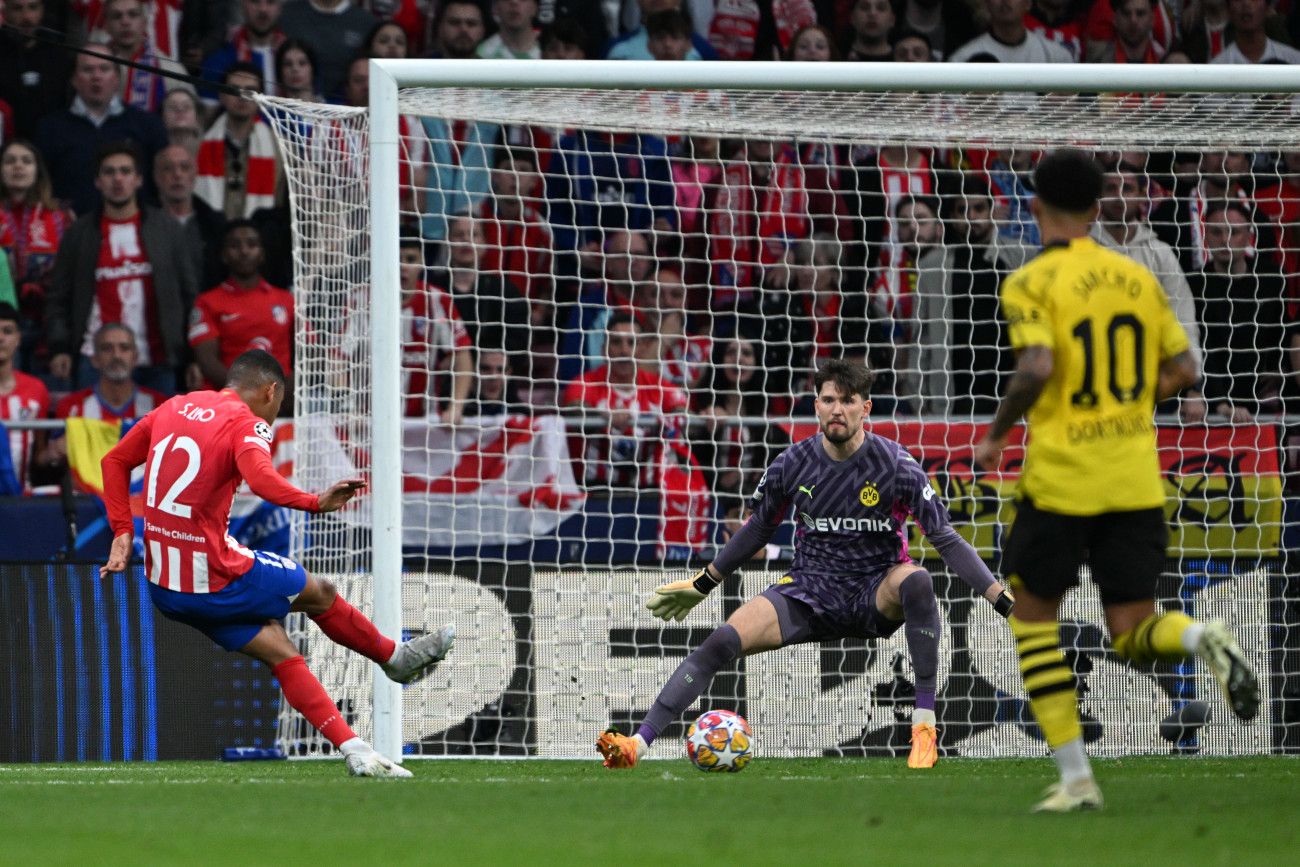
837, 436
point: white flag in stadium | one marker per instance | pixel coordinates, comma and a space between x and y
495, 480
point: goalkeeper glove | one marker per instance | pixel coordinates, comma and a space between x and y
674, 601
1004, 604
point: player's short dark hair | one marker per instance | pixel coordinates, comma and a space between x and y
1068, 180
255, 367
117, 148
235, 225
248, 68
850, 377
9, 313
409, 241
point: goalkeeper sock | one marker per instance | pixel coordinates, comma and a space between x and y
1160, 637
1049, 681
305, 694
347, 626
921, 626
690, 680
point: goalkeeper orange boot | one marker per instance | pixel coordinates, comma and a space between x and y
925, 746
619, 751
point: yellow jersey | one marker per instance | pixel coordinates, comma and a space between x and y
1107, 321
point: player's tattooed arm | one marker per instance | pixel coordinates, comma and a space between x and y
1033, 369
1176, 374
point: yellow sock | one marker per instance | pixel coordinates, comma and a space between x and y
1049, 681
1157, 638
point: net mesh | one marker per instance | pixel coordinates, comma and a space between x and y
740, 237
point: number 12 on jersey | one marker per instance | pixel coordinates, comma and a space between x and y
169, 502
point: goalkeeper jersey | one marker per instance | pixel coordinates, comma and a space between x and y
1108, 323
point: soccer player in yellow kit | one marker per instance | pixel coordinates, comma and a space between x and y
1097, 348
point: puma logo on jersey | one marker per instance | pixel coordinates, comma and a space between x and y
808, 490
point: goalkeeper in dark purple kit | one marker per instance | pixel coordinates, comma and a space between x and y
850, 493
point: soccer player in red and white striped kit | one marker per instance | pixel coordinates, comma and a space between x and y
196, 449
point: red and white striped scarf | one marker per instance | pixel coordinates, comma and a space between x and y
260, 176
141, 87
752, 225
164, 23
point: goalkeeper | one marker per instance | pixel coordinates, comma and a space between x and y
850, 492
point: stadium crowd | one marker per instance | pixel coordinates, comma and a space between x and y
662, 285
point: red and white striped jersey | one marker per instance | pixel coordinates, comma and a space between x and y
432, 331
88, 403
193, 442
28, 400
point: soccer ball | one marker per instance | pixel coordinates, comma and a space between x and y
719, 741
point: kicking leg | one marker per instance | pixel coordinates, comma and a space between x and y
1141, 636
754, 628
345, 625
272, 647
908, 592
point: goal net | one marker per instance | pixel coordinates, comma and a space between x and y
576, 322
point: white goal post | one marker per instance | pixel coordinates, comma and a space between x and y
879, 103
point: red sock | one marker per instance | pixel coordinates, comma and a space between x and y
347, 626
305, 694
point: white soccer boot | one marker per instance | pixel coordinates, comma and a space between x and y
368, 763
1223, 655
1071, 797
416, 658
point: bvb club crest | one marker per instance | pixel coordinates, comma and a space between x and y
869, 495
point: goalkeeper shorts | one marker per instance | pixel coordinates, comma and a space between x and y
813, 609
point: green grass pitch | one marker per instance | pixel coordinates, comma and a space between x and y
1159, 810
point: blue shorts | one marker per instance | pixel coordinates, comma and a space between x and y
813, 609
234, 615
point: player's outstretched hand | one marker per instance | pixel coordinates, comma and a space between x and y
338, 496
118, 555
674, 601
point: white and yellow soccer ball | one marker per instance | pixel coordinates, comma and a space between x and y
720, 740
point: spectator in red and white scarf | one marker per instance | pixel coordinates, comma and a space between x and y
162, 23
761, 208
127, 29
240, 171
256, 42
